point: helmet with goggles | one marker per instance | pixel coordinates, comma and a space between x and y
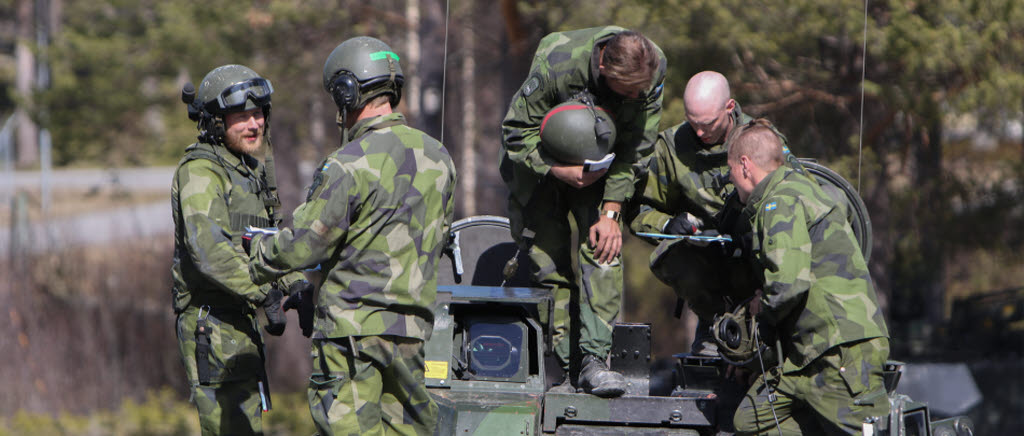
233, 88
226, 89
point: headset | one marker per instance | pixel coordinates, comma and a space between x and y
347, 92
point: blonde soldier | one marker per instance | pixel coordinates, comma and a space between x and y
219, 188
816, 297
375, 219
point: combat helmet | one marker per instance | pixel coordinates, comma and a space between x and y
226, 89
360, 69
576, 131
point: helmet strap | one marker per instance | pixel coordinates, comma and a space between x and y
342, 121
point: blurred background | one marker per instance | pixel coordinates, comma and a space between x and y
924, 117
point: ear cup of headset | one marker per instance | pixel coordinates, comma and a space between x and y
345, 91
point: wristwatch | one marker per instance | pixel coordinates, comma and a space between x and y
613, 214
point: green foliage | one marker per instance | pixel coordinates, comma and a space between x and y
162, 413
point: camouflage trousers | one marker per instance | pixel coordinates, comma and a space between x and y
709, 278
834, 394
378, 389
230, 402
229, 408
587, 294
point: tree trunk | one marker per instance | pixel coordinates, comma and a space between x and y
27, 149
469, 123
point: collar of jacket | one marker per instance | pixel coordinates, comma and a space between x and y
364, 126
766, 185
241, 162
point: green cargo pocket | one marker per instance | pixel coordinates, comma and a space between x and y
851, 368
322, 393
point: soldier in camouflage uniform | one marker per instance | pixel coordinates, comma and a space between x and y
218, 189
375, 219
623, 72
685, 192
817, 298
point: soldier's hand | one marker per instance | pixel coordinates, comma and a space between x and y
276, 320
251, 232
573, 175
606, 239
683, 224
754, 307
301, 299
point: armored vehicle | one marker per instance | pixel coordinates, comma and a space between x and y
489, 362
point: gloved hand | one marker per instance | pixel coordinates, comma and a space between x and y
683, 224
276, 320
251, 231
301, 299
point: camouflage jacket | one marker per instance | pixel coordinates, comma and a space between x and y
375, 219
817, 291
214, 195
684, 175
565, 66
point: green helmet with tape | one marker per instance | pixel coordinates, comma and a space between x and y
575, 131
360, 69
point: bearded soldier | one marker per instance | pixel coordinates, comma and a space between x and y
375, 219
622, 72
219, 188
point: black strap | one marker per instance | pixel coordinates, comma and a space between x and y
203, 349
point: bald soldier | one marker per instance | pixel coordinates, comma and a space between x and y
816, 297
685, 193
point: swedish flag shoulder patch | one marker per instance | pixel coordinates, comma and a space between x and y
771, 206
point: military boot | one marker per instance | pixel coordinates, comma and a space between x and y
703, 341
565, 387
597, 379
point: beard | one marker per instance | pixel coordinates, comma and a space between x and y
236, 141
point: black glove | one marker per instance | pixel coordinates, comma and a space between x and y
683, 224
276, 320
301, 299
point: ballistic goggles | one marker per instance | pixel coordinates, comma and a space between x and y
235, 96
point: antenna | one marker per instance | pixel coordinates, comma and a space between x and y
863, 72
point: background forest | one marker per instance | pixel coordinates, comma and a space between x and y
919, 104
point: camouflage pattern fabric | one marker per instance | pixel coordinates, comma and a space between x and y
234, 341
375, 219
229, 408
686, 175
562, 227
565, 66
817, 292
377, 389
215, 194
832, 395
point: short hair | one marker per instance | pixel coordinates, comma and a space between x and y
630, 58
758, 141
380, 100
